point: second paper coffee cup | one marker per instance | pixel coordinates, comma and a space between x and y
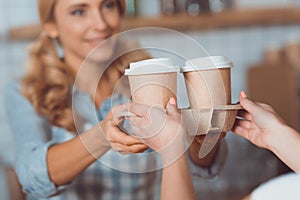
153, 82
208, 83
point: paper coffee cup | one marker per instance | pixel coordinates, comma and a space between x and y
153, 82
208, 82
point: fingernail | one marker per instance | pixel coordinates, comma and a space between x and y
172, 101
243, 94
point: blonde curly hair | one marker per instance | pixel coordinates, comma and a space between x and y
48, 81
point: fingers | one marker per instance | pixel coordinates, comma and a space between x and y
172, 107
123, 149
115, 113
138, 109
124, 139
138, 132
254, 107
143, 117
259, 112
243, 123
151, 123
250, 106
115, 135
243, 94
140, 121
149, 129
245, 114
239, 130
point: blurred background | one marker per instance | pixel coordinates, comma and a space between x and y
261, 38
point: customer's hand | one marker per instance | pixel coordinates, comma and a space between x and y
261, 125
116, 138
160, 130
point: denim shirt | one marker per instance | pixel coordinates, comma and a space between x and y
110, 177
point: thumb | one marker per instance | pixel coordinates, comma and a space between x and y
249, 105
172, 106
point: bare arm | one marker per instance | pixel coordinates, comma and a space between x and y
177, 181
288, 147
165, 133
67, 160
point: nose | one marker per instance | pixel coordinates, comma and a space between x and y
98, 21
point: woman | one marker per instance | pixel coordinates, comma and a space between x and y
52, 161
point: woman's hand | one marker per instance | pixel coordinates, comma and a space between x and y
261, 125
117, 139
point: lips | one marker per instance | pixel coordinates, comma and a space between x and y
98, 40
95, 41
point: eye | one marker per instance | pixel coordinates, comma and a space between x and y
78, 12
110, 4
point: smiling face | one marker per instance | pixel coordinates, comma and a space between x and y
82, 25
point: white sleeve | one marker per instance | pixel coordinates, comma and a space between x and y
283, 187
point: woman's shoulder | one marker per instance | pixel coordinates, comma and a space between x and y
13, 96
12, 89
17, 106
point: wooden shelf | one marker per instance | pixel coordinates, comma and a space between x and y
226, 19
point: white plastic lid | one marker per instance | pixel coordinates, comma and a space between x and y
152, 66
206, 63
